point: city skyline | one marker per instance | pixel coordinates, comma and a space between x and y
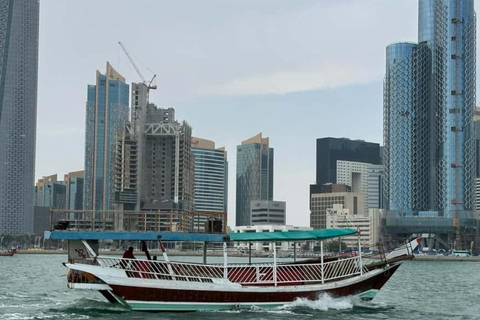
310, 106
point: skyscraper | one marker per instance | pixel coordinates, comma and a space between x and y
167, 161
49, 192
18, 112
342, 161
254, 176
74, 182
211, 176
476, 123
429, 102
407, 127
107, 112
329, 150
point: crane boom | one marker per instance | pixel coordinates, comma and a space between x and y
132, 62
148, 84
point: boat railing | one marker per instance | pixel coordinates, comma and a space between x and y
255, 274
152, 269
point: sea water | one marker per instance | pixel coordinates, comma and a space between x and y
33, 286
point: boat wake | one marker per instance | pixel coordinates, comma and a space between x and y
90, 307
306, 307
324, 302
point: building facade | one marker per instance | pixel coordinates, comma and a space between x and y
19, 29
126, 171
74, 188
106, 114
267, 246
268, 212
375, 174
429, 101
321, 203
254, 176
168, 162
330, 150
368, 224
407, 130
49, 192
476, 123
355, 175
211, 176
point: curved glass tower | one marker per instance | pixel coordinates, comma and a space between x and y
430, 152
406, 119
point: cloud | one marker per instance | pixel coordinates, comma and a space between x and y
327, 76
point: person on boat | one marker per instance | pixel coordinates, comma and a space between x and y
127, 255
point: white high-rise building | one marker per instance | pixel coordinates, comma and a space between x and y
365, 178
355, 175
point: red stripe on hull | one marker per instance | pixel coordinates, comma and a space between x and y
171, 295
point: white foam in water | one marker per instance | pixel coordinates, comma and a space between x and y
324, 302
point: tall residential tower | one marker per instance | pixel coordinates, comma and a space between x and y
211, 176
254, 176
107, 112
18, 113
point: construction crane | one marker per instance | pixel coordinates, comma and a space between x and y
148, 84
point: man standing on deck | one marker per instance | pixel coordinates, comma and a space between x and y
128, 254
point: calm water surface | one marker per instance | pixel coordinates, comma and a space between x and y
34, 287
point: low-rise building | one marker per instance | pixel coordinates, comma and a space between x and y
267, 246
368, 223
320, 202
268, 212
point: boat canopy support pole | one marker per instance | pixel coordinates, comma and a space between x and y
294, 251
165, 257
360, 264
225, 270
275, 263
249, 253
205, 252
321, 259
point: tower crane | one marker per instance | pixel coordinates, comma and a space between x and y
148, 84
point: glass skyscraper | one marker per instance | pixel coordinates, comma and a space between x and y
107, 112
407, 127
19, 21
211, 176
429, 102
254, 176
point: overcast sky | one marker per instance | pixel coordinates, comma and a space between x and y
295, 70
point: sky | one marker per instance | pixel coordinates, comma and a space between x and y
295, 70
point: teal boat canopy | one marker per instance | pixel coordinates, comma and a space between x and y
320, 234
134, 236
